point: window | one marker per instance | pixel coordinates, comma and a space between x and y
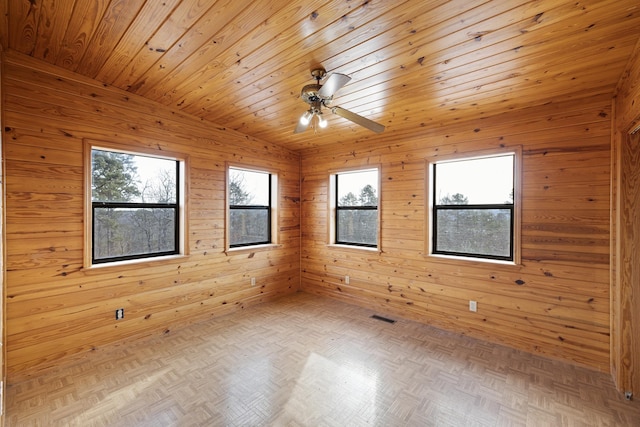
135, 206
356, 208
251, 195
473, 207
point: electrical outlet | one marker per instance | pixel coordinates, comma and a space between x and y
253, 281
473, 306
120, 313
346, 280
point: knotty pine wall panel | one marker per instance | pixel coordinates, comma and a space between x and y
625, 223
555, 302
56, 308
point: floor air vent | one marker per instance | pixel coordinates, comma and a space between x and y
384, 319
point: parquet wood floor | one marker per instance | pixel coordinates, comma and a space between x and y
310, 361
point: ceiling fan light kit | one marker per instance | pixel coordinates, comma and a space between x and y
306, 118
321, 121
318, 95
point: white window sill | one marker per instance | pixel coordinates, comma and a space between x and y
353, 247
254, 248
471, 260
135, 262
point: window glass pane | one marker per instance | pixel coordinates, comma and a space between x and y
475, 181
121, 177
474, 231
121, 232
248, 188
357, 226
249, 226
249, 207
358, 188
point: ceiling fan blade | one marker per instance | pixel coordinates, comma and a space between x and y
333, 84
301, 127
358, 119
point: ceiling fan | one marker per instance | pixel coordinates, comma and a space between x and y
320, 95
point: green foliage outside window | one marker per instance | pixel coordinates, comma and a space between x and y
134, 212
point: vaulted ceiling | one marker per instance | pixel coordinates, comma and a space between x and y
413, 63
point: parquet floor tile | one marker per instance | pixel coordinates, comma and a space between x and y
310, 361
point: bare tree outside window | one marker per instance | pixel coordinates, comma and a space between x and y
135, 209
249, 207
238, 195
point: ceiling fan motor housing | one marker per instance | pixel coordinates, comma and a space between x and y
310, 95
311, 92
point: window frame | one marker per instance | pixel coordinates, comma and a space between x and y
514, 208
334, 208
180, 231
272, 209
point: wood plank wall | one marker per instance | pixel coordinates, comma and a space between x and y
555, 303
56, 308
2, 269
625, 275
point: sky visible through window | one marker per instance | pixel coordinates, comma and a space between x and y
253, 182
149, 169
483, 180
354, 182
486, 180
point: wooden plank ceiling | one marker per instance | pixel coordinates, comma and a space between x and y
413, 63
